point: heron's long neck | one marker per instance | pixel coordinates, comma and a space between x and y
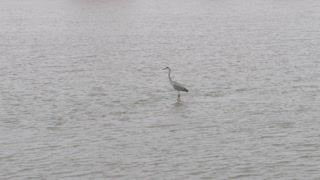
170, 76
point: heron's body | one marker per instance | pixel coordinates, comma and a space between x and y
177, 86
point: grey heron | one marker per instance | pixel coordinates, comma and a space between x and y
177, 86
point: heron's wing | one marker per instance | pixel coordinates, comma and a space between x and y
177, 84
179, 87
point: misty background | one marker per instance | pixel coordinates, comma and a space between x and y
83, 94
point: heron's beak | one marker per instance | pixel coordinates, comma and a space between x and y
164, 68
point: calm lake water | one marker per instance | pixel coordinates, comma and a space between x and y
83, 94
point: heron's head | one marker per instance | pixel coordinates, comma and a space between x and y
166, 68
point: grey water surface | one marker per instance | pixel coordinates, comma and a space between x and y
83, 94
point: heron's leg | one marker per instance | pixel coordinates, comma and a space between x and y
178, 96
